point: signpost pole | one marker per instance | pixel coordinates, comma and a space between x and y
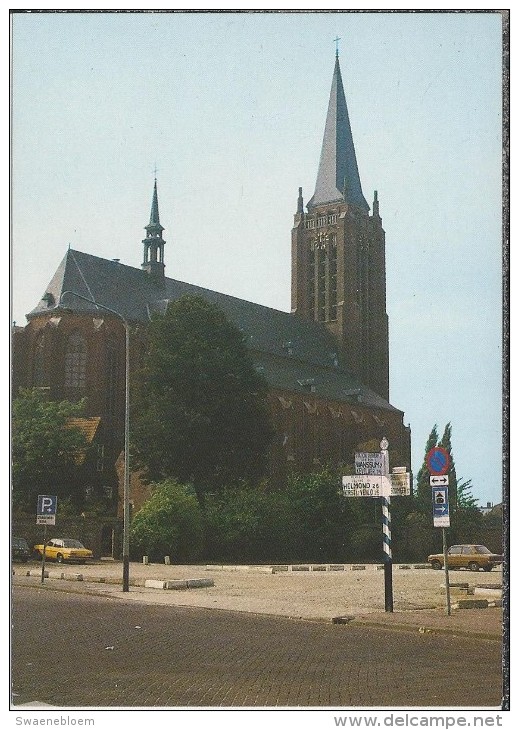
43, 555
446, 567
438, 462
386, 533
45, 515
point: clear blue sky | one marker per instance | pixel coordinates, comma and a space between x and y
231, 109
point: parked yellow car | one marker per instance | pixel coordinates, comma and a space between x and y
472, 557
63, 549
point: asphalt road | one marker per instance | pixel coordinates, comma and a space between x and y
79, 650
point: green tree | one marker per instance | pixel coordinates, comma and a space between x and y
248, 523
465, 498
201, 413
322, 517
169, 523
422, 494
453, 481
45, 449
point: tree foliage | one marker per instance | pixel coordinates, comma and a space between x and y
45, 448
422, 493
200, 413
169, 523
446, 442
463, 507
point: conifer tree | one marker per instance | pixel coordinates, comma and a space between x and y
453, 482
422, 493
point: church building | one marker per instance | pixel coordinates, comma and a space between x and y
326, 362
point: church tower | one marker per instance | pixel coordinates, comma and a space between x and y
153, 261
338, 253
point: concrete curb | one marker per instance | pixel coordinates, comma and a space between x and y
315, 567
147, 583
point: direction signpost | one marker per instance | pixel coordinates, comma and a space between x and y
372, 479
45, 515
438, 462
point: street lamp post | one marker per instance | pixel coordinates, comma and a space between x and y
126, 488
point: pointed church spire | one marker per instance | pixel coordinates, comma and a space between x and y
338, 175
154, 215
153, 261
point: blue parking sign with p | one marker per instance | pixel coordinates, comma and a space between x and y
47, 504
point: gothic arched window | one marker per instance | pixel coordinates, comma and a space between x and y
39, 378
113, 377
75, 362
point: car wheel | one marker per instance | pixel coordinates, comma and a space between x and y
474, 567
436, 565
487, 568
59, 558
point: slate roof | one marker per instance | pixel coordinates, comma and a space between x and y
289, 348
338, 175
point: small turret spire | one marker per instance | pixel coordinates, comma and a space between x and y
153, 261
300, 201
154, 215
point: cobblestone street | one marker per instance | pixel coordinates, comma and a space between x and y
79, 650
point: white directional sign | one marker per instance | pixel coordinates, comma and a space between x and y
365, 485
442, 481
368, 463
369, 485
400, 484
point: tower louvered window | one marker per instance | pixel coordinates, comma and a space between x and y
322, 285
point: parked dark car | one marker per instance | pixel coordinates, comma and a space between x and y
20, 549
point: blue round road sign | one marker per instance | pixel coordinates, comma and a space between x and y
438, 461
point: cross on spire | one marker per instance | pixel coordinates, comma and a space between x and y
336, 41
155, 170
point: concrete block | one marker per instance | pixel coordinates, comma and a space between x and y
403, 567
73, 576
496, 603
175, 585
200, 583
279, 568
378, 567
145, 560
336, 567
487, 591
472, 603
358, 567
167, 560
152, 583
318, 568
455, 591
299, 568
421, 566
